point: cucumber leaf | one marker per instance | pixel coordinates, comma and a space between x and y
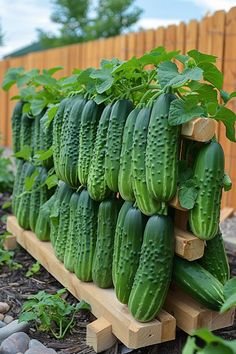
228, 118
227, 183
201, 57
230, 295
166, 72
187, 194
182, 111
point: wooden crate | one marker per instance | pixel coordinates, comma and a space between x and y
113, 318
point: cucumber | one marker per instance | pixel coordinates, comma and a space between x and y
118, 237
144, 201
102, 263
119, 114
72, 239
130, 248
18, 182
97, 186
204, 218
199, 283
87, 135
215, 259
87, 235
153, 276
16, 125
125, 171
162, 151
42, 228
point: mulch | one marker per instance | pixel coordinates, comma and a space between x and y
15, 287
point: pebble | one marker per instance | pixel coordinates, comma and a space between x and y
2, 324
17, 342
34, 343
11, 328
38, 350
8, 319
4, 307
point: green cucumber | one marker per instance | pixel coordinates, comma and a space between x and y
153, 276
16, 125
130, 248
125, 171
119, 114
199, 283
162, 151
204, 218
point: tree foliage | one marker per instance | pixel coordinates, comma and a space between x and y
79, 22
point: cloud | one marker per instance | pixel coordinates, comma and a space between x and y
19, 21
213, 5
148, 23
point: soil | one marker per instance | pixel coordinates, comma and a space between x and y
15, 287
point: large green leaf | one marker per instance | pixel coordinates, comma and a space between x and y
228, 118
182, 111
201, 57
166, 72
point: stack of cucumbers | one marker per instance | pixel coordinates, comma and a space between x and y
108, 219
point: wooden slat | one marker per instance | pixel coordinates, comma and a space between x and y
199, 129
191, 35
190, 315
4, 104
103, 302
170, 38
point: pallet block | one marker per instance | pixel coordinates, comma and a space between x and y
10, 243
103, 302
199, 129
190, 315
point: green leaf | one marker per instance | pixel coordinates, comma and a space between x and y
26, 107
228, 118
29, 180
82, 305
37, 106
182, 58
184, 171
190, 346
227, 96
187, 75
11, 77
157, 56
103, 86
187, 194
212, 108
230, 287
34, 269
28, 316
24, 153
52, 71
52, 181
212, 74
6, 205
183, 111
227, 183
84, 76
166, 71
43, 155
229, 303
45, 80
201, 57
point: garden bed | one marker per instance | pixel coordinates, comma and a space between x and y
15, 288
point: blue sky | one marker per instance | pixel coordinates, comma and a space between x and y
20, 18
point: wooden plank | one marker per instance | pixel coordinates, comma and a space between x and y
188, 246
10, 243
190, 315
99, 335
103, 302
199, 129
226, 213
170, 38
191, 35
159, 37
4, 103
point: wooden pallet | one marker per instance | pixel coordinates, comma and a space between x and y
113, 319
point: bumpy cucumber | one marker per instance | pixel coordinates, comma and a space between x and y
46, 139
162, 151
38, 196
119, 114
199, 283
153, 276
102, 263
97, 186
130, 247
72, 239
25, 130
63, 226
69, 153
62, 113
24, 204
118, 237
17, 185
215, 259
42, 228
87, 135
125, 171
144, 201
88, 211
204, 218
16, 126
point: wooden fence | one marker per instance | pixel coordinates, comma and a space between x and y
215, 34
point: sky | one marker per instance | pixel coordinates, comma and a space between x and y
21, 18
